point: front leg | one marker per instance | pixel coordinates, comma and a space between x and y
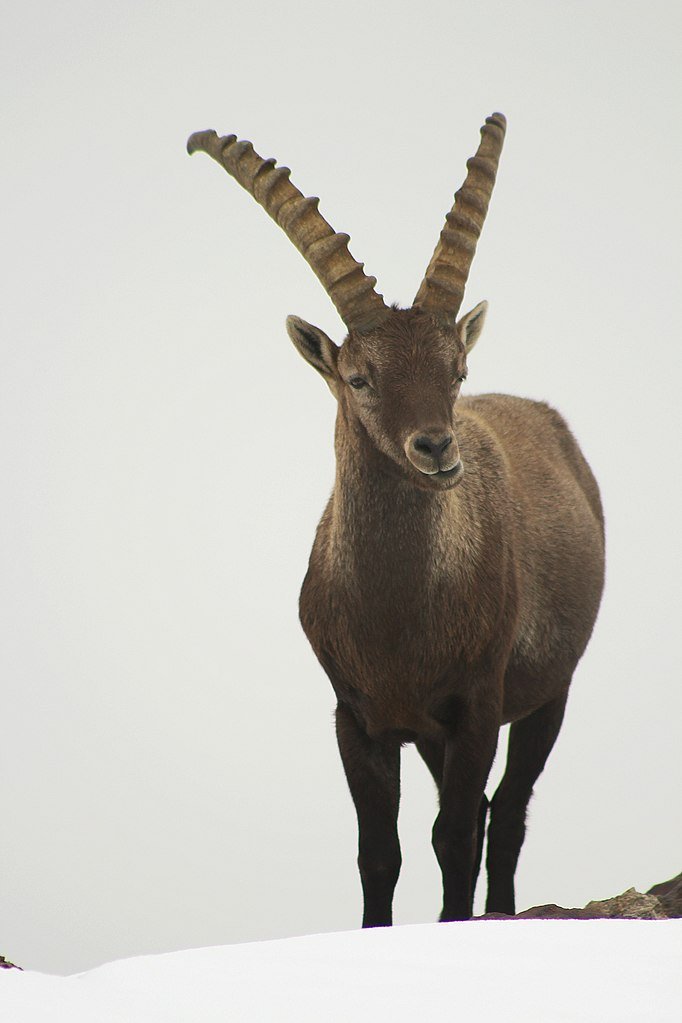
469, 753
372, 768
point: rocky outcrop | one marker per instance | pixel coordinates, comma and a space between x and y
5, 964
669, 894
660, 903
631, 905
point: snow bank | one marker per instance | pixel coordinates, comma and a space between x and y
535, 970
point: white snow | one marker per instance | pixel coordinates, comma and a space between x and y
535, 970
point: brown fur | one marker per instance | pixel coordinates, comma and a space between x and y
442, 609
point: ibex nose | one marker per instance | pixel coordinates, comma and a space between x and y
432, 451
430, 445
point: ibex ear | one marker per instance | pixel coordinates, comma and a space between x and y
316, 348
471, 325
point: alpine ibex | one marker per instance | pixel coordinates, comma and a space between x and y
458, 567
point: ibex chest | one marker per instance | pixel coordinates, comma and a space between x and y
391, 651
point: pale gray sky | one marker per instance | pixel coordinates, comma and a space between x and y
170, 773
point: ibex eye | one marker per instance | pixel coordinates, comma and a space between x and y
358, 383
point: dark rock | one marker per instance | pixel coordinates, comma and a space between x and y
659, 903
631, 905
6, 965
669, 894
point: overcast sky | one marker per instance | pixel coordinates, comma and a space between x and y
170, 773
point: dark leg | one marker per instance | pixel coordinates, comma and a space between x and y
432, 753
373, 771
482, 817
530, 743
469, 754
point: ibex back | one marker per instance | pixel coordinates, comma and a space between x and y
458, 567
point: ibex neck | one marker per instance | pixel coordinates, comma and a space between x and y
382, 525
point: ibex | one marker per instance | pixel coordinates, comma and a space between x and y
457, 570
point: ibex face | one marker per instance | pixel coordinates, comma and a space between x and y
397, 385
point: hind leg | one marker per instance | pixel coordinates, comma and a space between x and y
530, 742
433, 755
482, 817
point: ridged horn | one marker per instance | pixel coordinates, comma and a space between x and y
442, 290
325, 250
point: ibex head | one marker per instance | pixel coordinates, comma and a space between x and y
398, 372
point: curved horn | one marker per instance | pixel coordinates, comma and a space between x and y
325, 250
442, 289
